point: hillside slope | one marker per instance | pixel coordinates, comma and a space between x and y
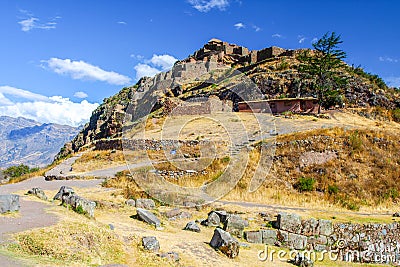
273, 70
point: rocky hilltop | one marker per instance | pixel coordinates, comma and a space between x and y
274, 70
25, 141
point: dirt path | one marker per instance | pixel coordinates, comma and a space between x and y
32, 214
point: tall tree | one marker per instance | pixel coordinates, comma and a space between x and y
322, 66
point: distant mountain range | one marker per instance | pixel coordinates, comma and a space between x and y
24, 141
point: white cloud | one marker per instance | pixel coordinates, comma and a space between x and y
256, 28
314, 40
388, 59
137, 57
122, 22
301, 39
145, 70
80, 94
393, 81
156, 64
277, 35
54, 109
80, 70
207, 5
164, 61
30, 22
239, 26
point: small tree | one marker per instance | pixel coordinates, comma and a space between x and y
322, 66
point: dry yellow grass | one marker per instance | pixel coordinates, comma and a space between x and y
95, 160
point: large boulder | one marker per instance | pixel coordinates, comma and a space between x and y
80, 204
176, 214
148, 217
130, 202
289, 222
145, 203
65, 191
298, 242
225, 243
253, 237
151, 243
235, 225
269, 236
36, 191
325, 227
192, 226
9, 203
215, 218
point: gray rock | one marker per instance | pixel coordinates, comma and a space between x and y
65, 191
151, 243
192, 226
325, 227
175, 214
148, 217
269, 236
36, 191
310, 227
223, 215
396, 214
289, 222
145, 203
225, 243
253, 237
172, 256
212, 220
296, 241
235, 225
302, 261
131, 202
9, 203
80, 204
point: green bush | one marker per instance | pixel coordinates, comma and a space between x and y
305, 184
333, 189
396, 115
17, 171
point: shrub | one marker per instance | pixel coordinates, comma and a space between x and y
17, 171
355, 140
333, 189
305, 184
396, 115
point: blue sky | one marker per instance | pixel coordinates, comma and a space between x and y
60, 59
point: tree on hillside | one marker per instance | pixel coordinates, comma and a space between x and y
322, 66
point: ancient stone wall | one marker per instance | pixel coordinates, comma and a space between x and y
370, 242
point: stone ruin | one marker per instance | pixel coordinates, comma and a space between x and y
218, 51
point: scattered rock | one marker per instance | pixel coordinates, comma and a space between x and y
148, 217
302, 261
325, 227
253, 237
298, 242
235, 225
269, 236
215, 218
37, 192
145, 203
64, 191
192, 226
172, 256
225, 243
175, 214
151, 243
131, 202
111, 226
289, 222
9, 203
396, 214
80, 204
